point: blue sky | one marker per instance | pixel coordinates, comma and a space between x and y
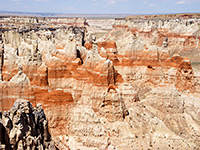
101, 6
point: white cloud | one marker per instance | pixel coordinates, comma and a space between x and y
181, 2
41, 0
112, 2
152, 5
16, 0
187, 1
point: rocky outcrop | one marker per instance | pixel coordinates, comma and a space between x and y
25, 127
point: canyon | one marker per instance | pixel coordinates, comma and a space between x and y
123, 83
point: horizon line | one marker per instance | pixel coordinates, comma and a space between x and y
59, 13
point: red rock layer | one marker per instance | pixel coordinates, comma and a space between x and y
11, 91
103, 84
56, 105
36, 72
178, 42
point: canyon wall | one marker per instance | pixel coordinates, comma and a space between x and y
130, 89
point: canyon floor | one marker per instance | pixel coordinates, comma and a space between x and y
127, 83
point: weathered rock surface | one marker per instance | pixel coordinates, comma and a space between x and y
183, 35
25, 127
130, 89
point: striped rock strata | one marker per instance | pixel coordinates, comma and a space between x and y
125, 91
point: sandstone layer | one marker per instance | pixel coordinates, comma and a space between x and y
129, 89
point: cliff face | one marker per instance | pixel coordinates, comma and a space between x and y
182, 35
127, 90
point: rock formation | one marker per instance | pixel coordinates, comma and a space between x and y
132, 88
25, 127
1, 60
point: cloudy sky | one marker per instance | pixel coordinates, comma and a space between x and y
101, 6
